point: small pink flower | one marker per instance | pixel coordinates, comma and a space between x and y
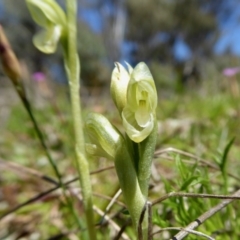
39, 76
230, 72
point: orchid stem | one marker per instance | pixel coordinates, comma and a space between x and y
72, 63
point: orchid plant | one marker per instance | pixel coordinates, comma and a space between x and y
60, 26
135, 96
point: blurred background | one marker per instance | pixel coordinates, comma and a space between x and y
192, 48
182, 41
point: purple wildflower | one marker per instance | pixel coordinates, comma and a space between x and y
230, 72
39, 76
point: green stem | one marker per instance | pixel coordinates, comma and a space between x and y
73, 71
41, 138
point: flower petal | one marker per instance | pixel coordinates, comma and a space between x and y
135, 132
46, 40
45, 11
141, 71
119, 84
130, 69
142, 115
141, 83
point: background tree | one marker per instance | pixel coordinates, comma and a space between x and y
131, 30
156, 26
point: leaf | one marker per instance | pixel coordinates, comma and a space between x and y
188, 182
180, 167
223, 160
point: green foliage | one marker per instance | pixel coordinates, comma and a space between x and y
177, 211
208, 133
223, 161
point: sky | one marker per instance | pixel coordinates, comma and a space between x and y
230, 29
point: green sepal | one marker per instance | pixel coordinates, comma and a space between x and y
103, 135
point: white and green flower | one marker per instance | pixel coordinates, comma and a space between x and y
49, 15
119, 84
135, 95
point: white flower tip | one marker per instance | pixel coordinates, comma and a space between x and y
130, 69
117, 66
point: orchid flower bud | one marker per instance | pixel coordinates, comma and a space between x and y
49, 15
119, 84
103, 136
139, 113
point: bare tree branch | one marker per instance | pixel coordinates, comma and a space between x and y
186, 230
205, 216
